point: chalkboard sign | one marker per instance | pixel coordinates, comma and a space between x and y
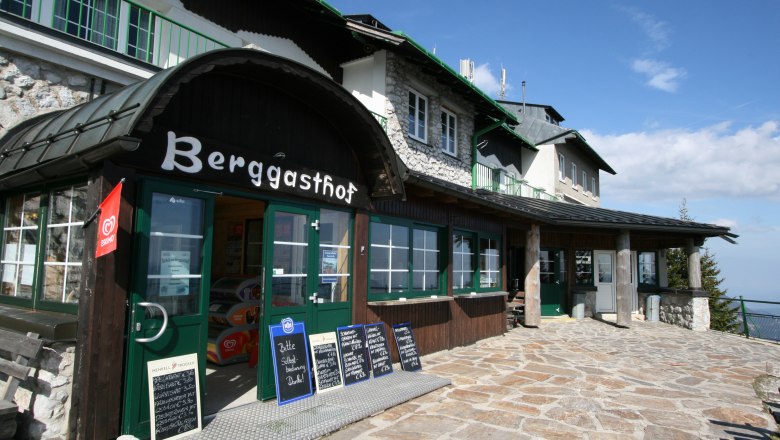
291, 361
174, 397
352, 344
378, 350
327, 369
407, 348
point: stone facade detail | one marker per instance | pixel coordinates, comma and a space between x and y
427, 158
29, 87
44, 399
683, 308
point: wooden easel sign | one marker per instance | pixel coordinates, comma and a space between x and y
291, 361
325, 357
174, 397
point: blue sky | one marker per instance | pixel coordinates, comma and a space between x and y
681, 98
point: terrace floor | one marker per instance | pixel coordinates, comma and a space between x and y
589, 379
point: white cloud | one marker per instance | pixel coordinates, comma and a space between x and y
711, 162
487, 81
655, 30
659, 74
725, 222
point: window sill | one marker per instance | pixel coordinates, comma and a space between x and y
49, 325
480, 295
411, 301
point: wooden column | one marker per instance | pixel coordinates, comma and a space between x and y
694, 265
533, 298
96, 410
624, 292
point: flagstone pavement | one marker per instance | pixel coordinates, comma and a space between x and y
589, 379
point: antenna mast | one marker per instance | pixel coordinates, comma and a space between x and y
502, 93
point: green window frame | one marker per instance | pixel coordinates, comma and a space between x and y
647, 268
43, 248
405, 259
476, 262
583, 266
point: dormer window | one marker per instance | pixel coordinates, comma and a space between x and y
418, 116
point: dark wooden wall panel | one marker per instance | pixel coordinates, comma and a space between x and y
475, 319
430, 324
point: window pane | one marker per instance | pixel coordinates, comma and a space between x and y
400, 236
175, 253
400, 259
20, 245
380, 233
605, 268
379, 282
334, 256
584, 267
399, 281
380, 258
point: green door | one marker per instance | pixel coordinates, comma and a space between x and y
553, 281
307, 276
169, 296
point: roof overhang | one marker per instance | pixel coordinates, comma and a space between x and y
71, 140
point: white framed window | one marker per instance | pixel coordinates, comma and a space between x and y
449, 132
561, 168
593, 189
584, 181
418, 116
574, 175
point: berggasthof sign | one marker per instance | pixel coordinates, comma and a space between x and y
186, 154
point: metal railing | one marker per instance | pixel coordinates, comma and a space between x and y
497, 180
381, 119
755, 321
119, 25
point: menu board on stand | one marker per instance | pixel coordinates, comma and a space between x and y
325, 357
407, 347
378, 349
291, 361
352, 345
174, 397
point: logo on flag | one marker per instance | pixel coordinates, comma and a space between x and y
107, 224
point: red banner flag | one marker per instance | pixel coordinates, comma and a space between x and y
109, 222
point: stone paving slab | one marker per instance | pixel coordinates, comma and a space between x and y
589, 379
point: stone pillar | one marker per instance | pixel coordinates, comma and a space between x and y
700, 299
694, 265
663, 273
532, 288
624, 290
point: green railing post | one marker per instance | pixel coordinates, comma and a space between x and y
744, 317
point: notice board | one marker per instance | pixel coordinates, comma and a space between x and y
291, 361
378, 349
174, 396
325, 357
407, 347
352, 345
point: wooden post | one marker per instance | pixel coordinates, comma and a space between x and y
533, 298
360, 269
694, 265
624, 292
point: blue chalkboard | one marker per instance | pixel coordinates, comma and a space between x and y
291, 361
407, 348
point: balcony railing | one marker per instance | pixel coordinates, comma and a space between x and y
754, 319
497, 180
119, 25
381, 119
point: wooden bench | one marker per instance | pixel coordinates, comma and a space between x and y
23, 349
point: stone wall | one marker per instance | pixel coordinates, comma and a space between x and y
44, 399
29, 87
427, 158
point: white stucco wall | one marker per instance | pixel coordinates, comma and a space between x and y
541, 168
365, 79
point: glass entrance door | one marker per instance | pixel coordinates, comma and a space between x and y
169, 297
308, 275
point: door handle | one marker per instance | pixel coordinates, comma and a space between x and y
164, 324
